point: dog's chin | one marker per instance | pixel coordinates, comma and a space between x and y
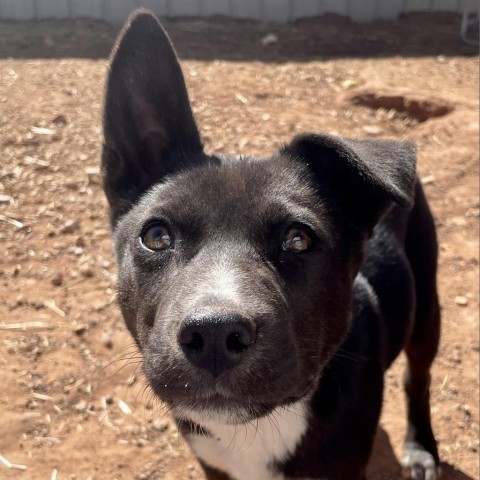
232, 415
221, 403
219, 409
226, 410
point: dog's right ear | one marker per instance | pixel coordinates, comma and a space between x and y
148, 125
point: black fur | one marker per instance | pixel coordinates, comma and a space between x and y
324, 323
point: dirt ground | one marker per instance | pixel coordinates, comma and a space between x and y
73, 404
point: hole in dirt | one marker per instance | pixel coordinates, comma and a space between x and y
418, 109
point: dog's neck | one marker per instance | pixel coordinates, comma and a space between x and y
253, 449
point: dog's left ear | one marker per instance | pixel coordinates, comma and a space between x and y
358, 179
148, 125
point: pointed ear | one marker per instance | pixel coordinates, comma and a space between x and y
359, 179
148, 125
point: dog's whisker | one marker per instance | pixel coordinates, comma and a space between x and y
127, 359
127, 364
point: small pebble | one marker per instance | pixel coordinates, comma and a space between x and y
160, 425
57, 279
80, 330
269, 39
372, 130
60, 120
466, 409
461, 300
428, 180
70, 226
81, 406
349, 84
80, 242
87, 271
93, 175
106, 340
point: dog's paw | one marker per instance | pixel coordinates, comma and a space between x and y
418, 464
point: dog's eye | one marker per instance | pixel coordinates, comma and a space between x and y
296, 240
157, 237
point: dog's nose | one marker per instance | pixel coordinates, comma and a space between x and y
216, 341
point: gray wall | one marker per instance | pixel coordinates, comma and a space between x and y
268, 10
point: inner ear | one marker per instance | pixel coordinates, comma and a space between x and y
149, 129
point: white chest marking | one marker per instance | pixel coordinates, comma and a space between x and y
247, 452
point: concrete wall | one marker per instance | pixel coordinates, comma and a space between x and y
116, 11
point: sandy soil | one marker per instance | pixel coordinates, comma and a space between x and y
72, 398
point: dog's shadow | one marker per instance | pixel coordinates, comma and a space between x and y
384, 464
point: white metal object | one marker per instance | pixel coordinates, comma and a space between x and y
470, 18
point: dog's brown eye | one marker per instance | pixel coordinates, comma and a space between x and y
296, 240
157, 237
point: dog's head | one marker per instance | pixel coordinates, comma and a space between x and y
235, 273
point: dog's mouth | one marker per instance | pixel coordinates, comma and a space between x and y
229, 409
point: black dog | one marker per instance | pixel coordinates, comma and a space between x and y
268, 296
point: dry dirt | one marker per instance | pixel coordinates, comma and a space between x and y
66, 361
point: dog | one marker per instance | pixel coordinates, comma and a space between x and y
268, 296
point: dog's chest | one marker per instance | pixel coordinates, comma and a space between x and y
251, 451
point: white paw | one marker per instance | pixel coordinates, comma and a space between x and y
418, 464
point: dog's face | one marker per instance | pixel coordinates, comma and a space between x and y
235, 273
245, 243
